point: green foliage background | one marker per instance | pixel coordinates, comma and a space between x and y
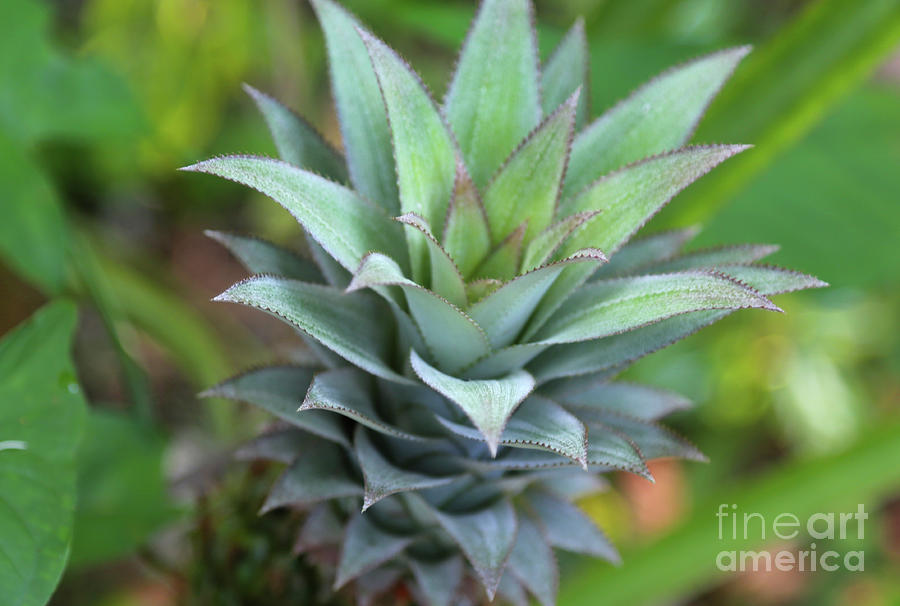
100, 100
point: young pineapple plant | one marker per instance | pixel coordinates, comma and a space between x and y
475, 291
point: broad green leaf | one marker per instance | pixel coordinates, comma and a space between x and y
627, 199
467, 237
790, 84
532, 562
360, 108
540, 424
453, 338
658, 117
527, 186
344, 224
679, 560
504, 312
541, 248
350, 324
383, 478
641, 253
486, 537
321, 473
424, 149
122, 492
296, 140
41, 421
493, 101
280, 390
711, 258
331, 270
438, 581
770, 280
608, 450
488, 403
638, 401
348, 392
262, 257
567, 527
365, 547
34, 233
603, 354
609, 307
503, 262
446, 279
653, 440
283, 446
565, 71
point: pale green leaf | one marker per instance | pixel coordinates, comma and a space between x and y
641, 253
280, 390
568, 528
639, 401
261, 257
541, 248
608, 307
740, 254
539, 424
488, 403
486, 537
446, 279
360, 107
298, 143
770, 280
438, 581
503, 313
41, 421
322, 473
453, 338
365, 547
336, 217
608, 450
511, 591
493, 100
383, 478
467, 237
350, 324
527, 186
627, 199
653, 440
658, 117
348, 392
503, 361
476, 290
503, 262
532, 562
424, 149
565, 71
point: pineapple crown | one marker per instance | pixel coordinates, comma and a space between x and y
473, 294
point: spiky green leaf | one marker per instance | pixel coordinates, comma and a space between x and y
486, 537
488, 403
453, 338
608, 307
383, 478
283, 446
280, 390
322, 473
349, 324
527, 186
639, 401
568, 528
467, 236
502, 263
741, 254
492, 104
532, 562
336, 217
446, 279
565, 71
360, 107
296, 140
540, 424
365, 547
541, 248
438, 581
644, 252
659, 116
653, 440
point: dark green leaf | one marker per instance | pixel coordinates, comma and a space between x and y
261, 257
